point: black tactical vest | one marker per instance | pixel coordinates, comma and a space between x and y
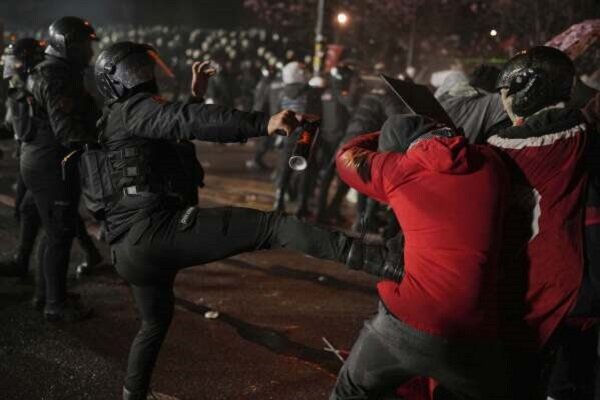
129, 167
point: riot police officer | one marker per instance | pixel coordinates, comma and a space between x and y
374, 106
298, 96
151, 232
338, 103
19, 60
64, 115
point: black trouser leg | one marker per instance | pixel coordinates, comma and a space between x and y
307, 186
29, 229
321, 155
40, 279
165, 245
573, 371
154, 250
336, 203
155, 304
285, 174
57, 202
19, 194
327, 179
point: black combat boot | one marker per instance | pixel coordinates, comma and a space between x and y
70, 310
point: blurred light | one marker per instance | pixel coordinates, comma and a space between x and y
493, 33
342, 18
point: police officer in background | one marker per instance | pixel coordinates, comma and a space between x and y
338, 102
375, 105
151, 232
299, 97
261, 103
64, 117
19, 60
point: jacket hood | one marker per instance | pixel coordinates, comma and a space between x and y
446, 155
433, 145
401, 130
545, 122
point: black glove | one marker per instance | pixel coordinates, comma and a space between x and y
386, 262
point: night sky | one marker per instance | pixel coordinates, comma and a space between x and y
225, 14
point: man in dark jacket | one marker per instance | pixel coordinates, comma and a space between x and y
21, 58
64, 115
152, 233
441, 320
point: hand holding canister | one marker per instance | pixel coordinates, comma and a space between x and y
302, 150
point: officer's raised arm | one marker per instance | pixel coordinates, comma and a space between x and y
126, 74
155, 118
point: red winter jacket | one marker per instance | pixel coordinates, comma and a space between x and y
448, 197
543, 247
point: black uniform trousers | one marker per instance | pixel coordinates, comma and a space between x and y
57, 202
151, 253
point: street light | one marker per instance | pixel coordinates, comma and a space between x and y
342, 18
493, 33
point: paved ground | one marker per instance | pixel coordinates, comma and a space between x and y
274, 308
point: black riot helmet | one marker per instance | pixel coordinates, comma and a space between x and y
20, 57
125, 65
70, 38
537, 78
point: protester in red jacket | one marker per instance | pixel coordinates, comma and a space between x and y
543, 258
440, 321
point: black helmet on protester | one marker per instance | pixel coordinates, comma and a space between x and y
125, 65
20, 57
69, 38
537, 78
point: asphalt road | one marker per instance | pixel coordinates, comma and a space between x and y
274, 308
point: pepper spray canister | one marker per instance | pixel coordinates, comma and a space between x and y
303, 148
